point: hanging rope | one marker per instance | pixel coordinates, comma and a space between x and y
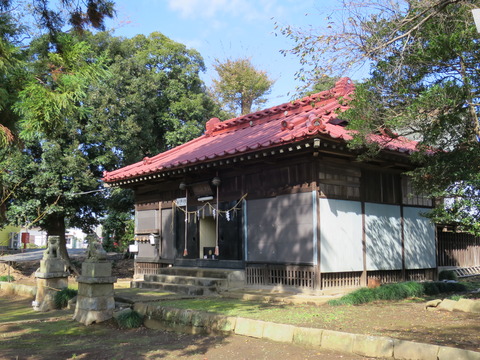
213, 209
216, 213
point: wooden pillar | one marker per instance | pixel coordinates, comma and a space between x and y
402, 226
160, 230
217, 250
318, 231
435, 275
185, 251
363, 278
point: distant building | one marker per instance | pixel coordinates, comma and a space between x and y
11, 238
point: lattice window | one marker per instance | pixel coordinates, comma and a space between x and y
410, 197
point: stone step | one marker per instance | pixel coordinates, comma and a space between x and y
186, 280
201, 272
193, 290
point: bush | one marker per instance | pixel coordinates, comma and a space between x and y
439, 287
430, 288
63, 296
7, 278
130, 319
357, 297
447, 275
413, 289
391, 292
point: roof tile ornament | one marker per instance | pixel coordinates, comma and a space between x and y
315, 122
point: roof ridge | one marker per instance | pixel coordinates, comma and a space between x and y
343, 87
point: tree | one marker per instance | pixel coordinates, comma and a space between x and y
118, 225
424, 84
154, 99
240, 85
17, 21
53, 16
83, 113
54, 174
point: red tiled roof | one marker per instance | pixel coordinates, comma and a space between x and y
287, 123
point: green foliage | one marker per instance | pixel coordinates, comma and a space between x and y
58, 84
18, 19
118, 226
397, 291
63, 296
447, 275
7, 278
153, 101
240, 86
129, 319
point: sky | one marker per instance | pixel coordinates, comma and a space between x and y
228, 29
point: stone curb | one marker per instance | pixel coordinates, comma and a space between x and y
359, 344
18, 289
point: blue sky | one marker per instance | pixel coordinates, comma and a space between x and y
228, 29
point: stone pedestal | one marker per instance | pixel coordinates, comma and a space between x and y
95, 301
50, 277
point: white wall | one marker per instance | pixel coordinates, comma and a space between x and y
341, 235
419, 239
383, 232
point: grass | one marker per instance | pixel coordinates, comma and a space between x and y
398, 291
13, 312
7, 278
280, 313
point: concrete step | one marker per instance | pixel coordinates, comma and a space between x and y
193, 290
186, 280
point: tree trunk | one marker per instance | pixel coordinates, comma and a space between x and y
3, 205
56, 226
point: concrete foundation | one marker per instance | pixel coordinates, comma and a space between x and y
95, 301
50, 277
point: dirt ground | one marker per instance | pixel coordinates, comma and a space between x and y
408, 320
27, 335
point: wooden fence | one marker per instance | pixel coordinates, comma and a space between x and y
458, 249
